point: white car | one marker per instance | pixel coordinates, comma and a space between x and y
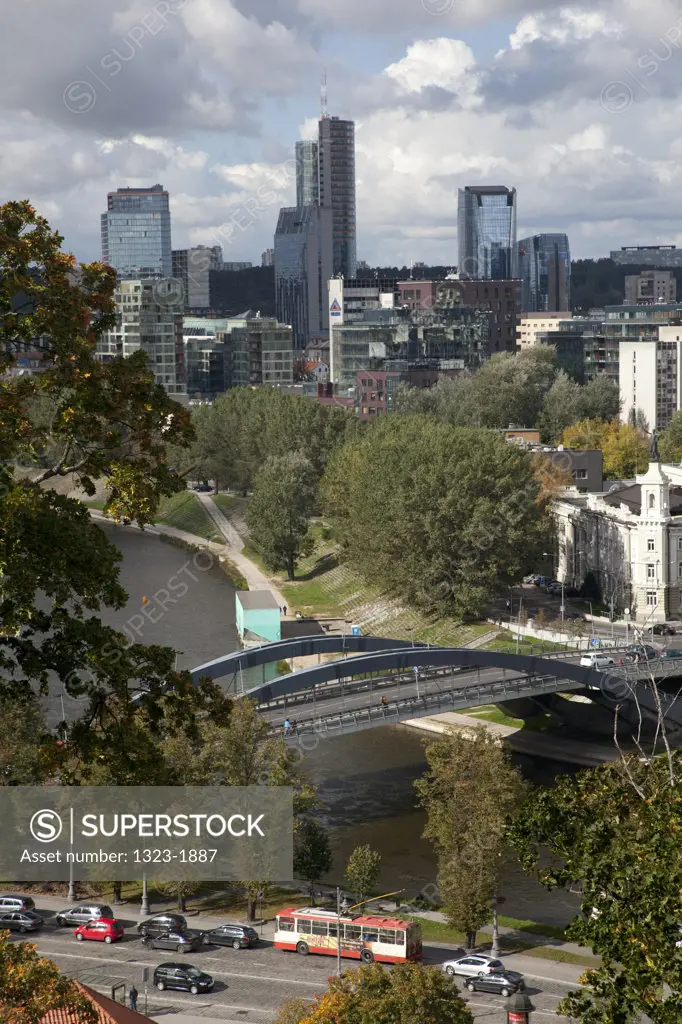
596, 661
473, 966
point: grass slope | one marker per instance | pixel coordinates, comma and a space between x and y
184, 511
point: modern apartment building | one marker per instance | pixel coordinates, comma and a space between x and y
136, 233
649, 380
650, 287
500, 299
303, 266
486, 228
544, 266
267, 258
260, 351
193, 267
648, 256
148, 319
336, 163
307, 174
533, 325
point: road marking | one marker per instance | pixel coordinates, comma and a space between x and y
223, 974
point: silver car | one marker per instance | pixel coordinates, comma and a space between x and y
476, 965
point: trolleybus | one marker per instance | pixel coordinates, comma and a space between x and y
367, 938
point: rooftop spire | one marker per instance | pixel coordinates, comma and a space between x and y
323, 96
653, 448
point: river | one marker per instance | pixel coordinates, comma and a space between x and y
365, 780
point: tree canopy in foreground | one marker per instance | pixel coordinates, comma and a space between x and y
614, 831
410, 994
86, 420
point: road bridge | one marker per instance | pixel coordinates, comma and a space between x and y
405, 682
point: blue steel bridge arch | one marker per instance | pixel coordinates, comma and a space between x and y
301, 647
405, 658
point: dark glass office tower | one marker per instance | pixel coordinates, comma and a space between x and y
486, 219
545, 272
136, 233
307, 178
336, 162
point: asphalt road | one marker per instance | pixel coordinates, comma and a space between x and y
250, 984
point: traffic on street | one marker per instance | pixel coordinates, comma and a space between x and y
233, 981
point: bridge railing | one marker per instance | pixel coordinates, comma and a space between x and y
429, 703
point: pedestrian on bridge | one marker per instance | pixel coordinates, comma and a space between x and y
287, 726
132, 996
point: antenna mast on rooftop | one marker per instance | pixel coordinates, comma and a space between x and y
323, 97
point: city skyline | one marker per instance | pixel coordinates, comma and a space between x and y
440, 100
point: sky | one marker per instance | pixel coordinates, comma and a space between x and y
579, 106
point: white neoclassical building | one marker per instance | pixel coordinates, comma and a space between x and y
631, 539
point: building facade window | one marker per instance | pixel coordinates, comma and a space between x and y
651, 572
651, 544
652, 598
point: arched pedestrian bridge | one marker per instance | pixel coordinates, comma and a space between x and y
389, 681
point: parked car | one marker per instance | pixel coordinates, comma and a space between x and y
104, 929
475, 965
663, 629
204, 488
236, 935
504, 983
541, 581
161, 923
183, 941
597, 661
533, 578
20, 921
182, 978
83, 914
12, 902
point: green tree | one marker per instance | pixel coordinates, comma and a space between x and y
362, 871
600, 399
409, 994
279, 512
670, 441
613, 831
31, 986
312, 853
88, 421
180, 889
445, 517
470, 793
561, 407
28, 753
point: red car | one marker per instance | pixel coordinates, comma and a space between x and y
105, 929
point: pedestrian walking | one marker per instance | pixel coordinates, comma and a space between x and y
132, 995
287, 726
285, 609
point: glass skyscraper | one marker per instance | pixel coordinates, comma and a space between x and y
336, 149
136, 233
545, 272
303, 265
307, 174
486, 227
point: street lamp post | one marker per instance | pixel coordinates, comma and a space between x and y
416, 676
338, 932
626, 614
495, 945
144, 905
